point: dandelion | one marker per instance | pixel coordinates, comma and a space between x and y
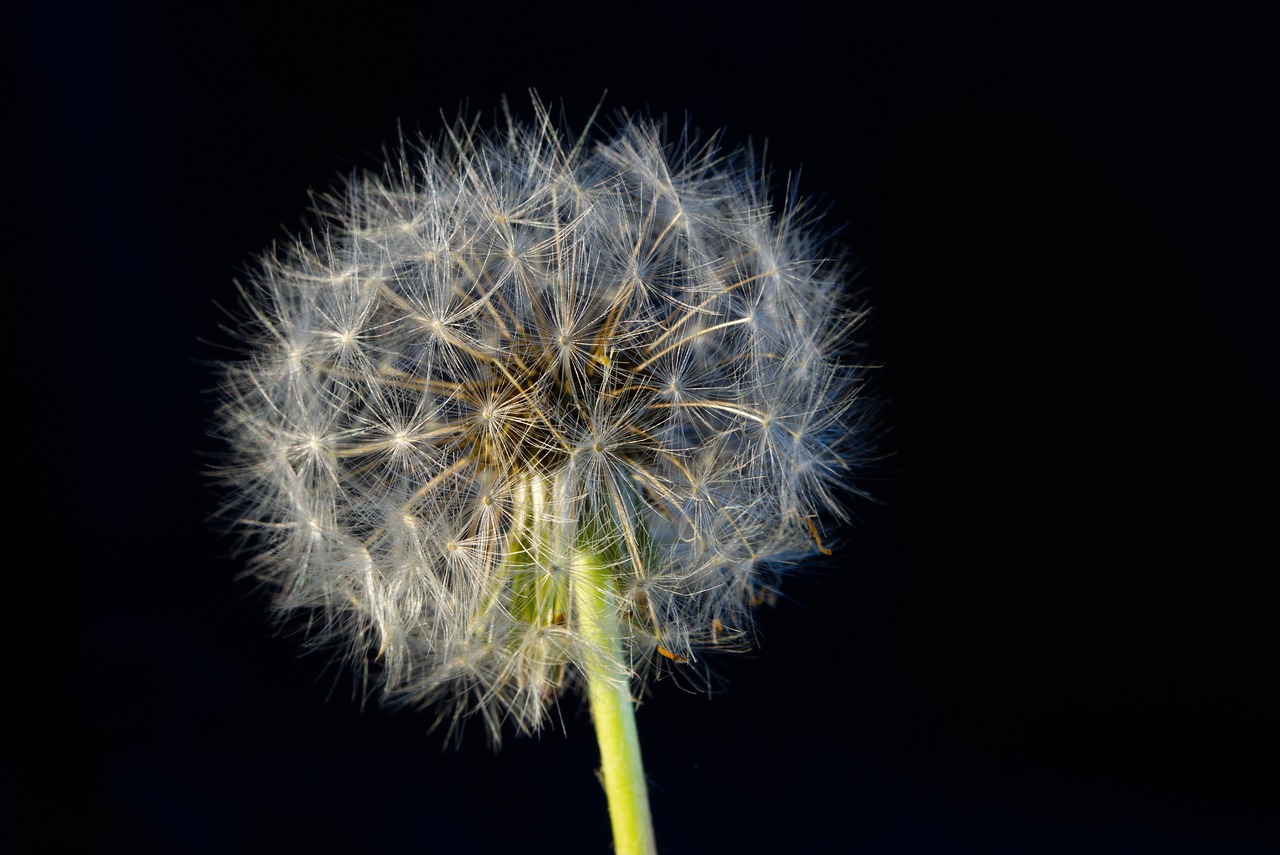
533, 411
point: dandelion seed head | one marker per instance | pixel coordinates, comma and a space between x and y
511, 348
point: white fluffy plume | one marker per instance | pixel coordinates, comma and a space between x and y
516, 347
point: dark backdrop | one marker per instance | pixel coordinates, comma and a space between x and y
1053, 633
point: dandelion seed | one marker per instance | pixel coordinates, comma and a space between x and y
532, 412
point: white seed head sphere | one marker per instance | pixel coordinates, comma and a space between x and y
513, 349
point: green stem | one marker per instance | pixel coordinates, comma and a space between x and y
612, 709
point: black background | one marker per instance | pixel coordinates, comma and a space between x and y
1054, 632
